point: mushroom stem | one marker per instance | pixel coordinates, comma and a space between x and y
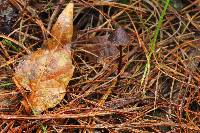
119, 65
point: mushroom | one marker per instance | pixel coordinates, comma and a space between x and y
119, 38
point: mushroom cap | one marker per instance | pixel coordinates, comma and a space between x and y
119, 37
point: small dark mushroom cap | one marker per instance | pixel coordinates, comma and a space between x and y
119, 37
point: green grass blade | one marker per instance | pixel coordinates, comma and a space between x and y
10, 44
5, 84
153, 41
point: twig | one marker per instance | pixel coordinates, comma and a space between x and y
54, 15
54, 116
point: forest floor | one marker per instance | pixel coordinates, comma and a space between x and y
136, 66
